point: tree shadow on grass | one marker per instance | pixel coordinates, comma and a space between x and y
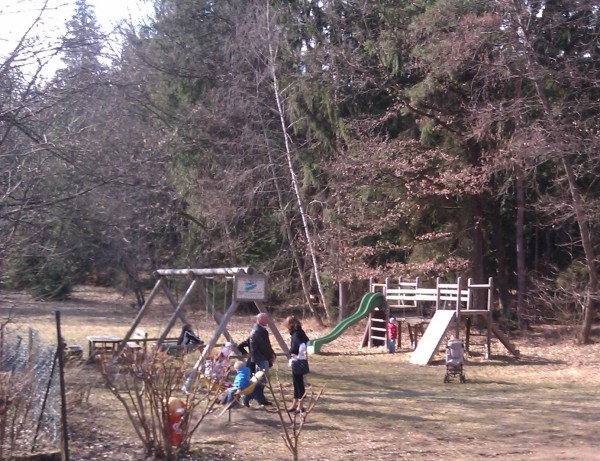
351, 354
505, 361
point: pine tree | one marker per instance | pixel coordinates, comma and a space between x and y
83, 42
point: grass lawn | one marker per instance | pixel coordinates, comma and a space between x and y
375, 406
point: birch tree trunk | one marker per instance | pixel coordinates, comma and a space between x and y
289, 157
288, 229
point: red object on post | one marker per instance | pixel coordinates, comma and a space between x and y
176, 409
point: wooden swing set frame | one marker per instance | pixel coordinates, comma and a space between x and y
249, 286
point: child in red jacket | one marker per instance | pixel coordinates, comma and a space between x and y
392, 334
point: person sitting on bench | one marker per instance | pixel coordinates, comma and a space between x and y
188, 338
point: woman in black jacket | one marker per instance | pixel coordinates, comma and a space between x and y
188, 338
298, 337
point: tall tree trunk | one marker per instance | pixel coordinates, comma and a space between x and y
520, 242
501, 282
519, 238
590, 307
477, 269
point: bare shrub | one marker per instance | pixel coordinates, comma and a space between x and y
149, 386
557, 301
292, 423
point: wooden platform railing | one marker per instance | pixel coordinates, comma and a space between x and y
406, 296
405, 299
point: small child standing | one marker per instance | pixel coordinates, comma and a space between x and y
242, 380
392, 334
220, 365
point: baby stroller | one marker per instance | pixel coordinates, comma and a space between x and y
455, 357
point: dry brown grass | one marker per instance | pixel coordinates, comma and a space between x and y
376, 405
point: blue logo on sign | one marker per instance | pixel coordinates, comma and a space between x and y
249, 285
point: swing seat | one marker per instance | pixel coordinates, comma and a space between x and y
213, 385
258, 376
237, 395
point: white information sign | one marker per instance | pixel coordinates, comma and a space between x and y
250, 287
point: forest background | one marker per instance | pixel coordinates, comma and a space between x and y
322, 142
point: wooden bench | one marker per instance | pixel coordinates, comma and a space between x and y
73, 352
138, 341
102, 345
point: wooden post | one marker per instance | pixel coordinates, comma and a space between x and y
2, 346
137, 320
30, 348
458, 297
468, 335
63, 396
343, 300
489, 318
178, 308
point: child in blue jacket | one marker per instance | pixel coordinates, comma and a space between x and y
242, 380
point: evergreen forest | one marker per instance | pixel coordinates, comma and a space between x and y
322, 142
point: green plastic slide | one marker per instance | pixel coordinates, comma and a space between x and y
368, 303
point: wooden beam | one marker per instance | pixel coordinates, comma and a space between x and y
214, 271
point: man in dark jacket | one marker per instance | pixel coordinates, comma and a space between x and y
261, 355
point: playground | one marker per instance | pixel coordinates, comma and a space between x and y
542, 406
